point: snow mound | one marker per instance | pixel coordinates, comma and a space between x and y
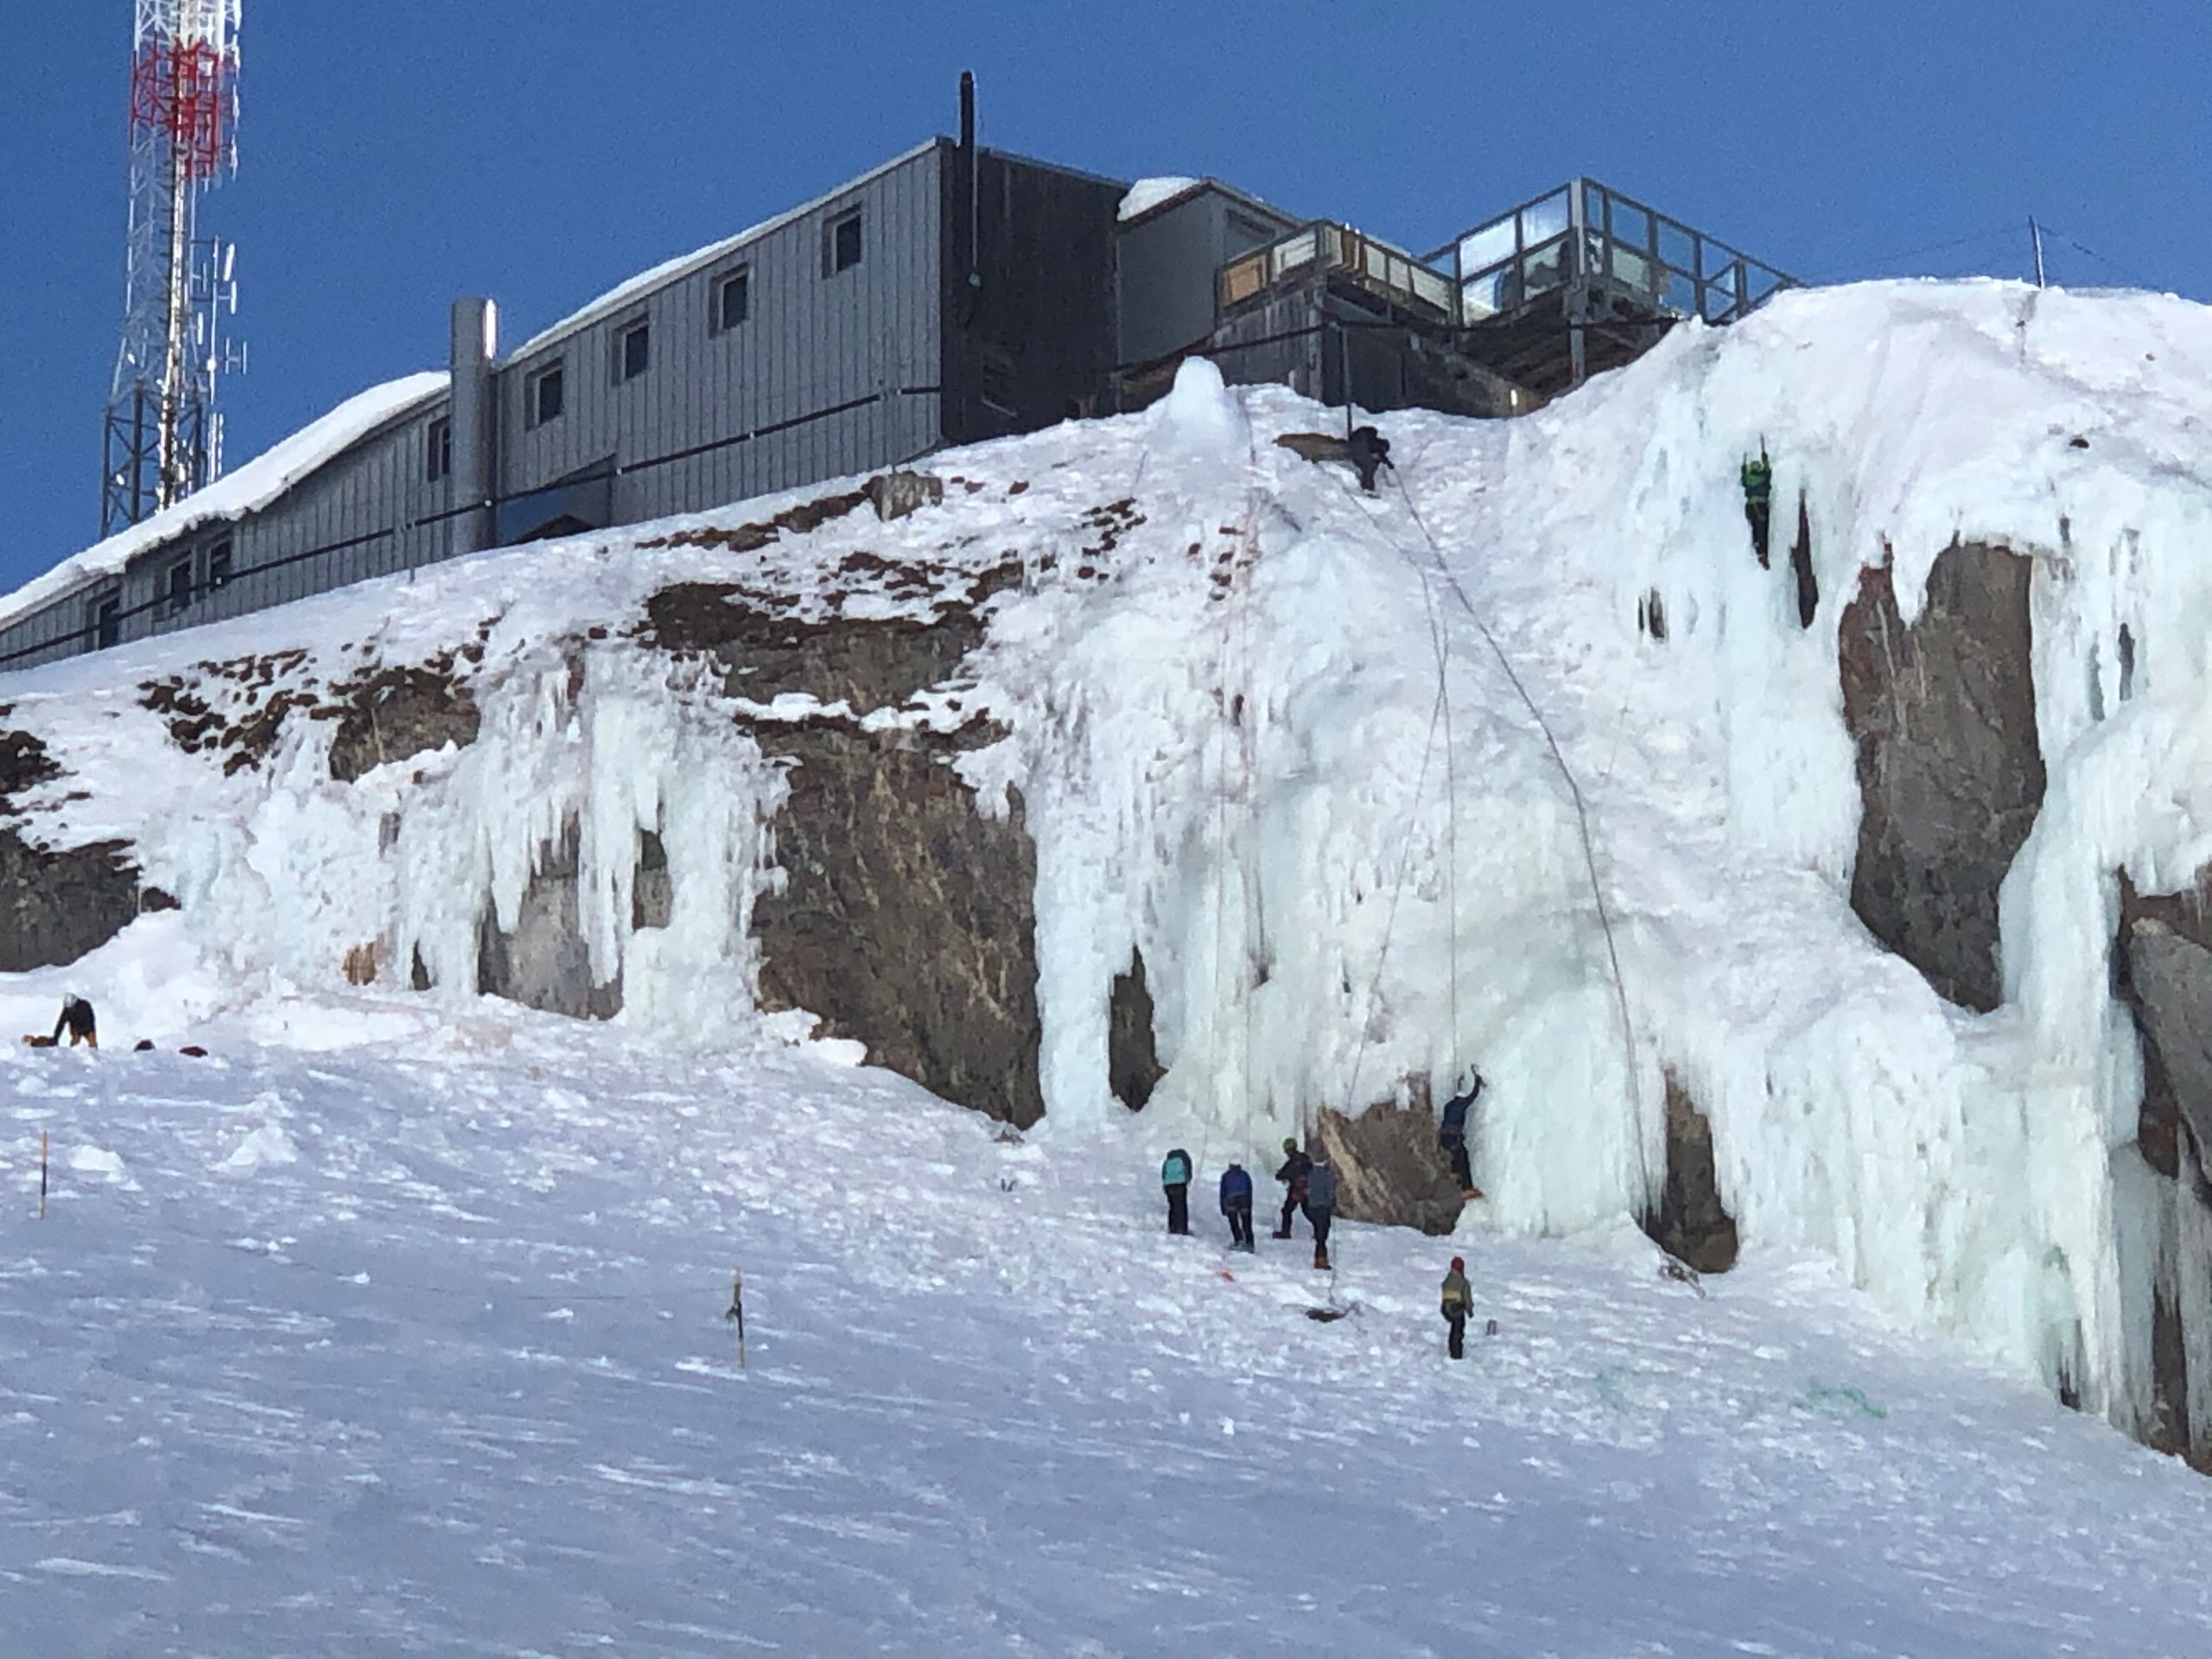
1147, 193
267, 1147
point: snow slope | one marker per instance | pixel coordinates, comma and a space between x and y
414, 1346
1273, 733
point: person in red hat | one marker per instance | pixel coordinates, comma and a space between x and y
1458, 1302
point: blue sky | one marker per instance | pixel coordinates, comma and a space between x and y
540, 150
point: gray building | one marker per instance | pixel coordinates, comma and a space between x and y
952, 294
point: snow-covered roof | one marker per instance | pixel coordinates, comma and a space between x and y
674, 270
249, 489
1148, 193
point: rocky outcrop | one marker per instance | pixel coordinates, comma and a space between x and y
1133, 1067
1691, 1223
396, 714
1388, 1166
2163, 970
1950, 771
57, 905
906, 919
545, 962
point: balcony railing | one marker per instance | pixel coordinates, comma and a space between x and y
1586, 231
1322, 245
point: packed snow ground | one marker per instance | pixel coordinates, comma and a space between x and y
416, 1345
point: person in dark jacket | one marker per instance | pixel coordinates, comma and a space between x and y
77, 1019
1369, 452
1320, 1207
1459, 1303
1175, 1176
1451, 1136
1295, 1168
1236, 1205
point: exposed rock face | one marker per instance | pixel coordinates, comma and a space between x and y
397, 714
544, 964
1691, 1224
907, 919
1133, 1067
1950, 772
2162, 964
1388, 1166
57, 907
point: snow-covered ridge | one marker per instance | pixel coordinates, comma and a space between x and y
1259, 733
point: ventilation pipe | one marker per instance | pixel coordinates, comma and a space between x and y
473, 416
968, 155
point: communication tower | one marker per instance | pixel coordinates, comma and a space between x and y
164, 436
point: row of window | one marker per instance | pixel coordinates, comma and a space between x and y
188, 577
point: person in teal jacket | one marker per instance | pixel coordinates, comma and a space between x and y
1175, 1176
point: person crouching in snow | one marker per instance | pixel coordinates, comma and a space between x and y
1175, 1176
1459, 1303
1236, 1205
77, 1019
1295, 1168
1320, 1207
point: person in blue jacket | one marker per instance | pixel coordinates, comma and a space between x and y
1236, 1205
1175, 1176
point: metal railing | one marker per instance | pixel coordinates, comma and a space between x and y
1323, 244
1588, 232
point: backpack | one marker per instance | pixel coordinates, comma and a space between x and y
1321, 1187
1176, 1172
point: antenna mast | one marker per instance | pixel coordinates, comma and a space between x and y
164, 436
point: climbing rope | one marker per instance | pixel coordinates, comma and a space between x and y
1581, 814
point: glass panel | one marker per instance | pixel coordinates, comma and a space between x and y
1681, 297
1486, 296
1633, 269
1674, 247
1544, 221
1721, 295
1490, 246
1544, 269
1292, 253
1243, 279
1631, 226
1430, 287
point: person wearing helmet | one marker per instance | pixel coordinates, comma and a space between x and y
1458, 1302
1451, 1136
1296, 1166
77, 1019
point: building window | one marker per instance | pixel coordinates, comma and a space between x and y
103, 620
437, 450
841, 244
218, 565
547, 394
634, 351
733, 299
176, 590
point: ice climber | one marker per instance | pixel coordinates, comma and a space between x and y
1296, 1166
1758, 501
1458, 1302
1320, 1207
1175, 1176
1369, 452
76, 1018
1236, 1205
1451, 1136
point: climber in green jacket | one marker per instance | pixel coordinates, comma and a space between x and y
1758, 501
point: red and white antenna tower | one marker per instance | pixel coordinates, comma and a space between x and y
164, 438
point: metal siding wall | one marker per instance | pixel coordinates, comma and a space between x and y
809, 342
